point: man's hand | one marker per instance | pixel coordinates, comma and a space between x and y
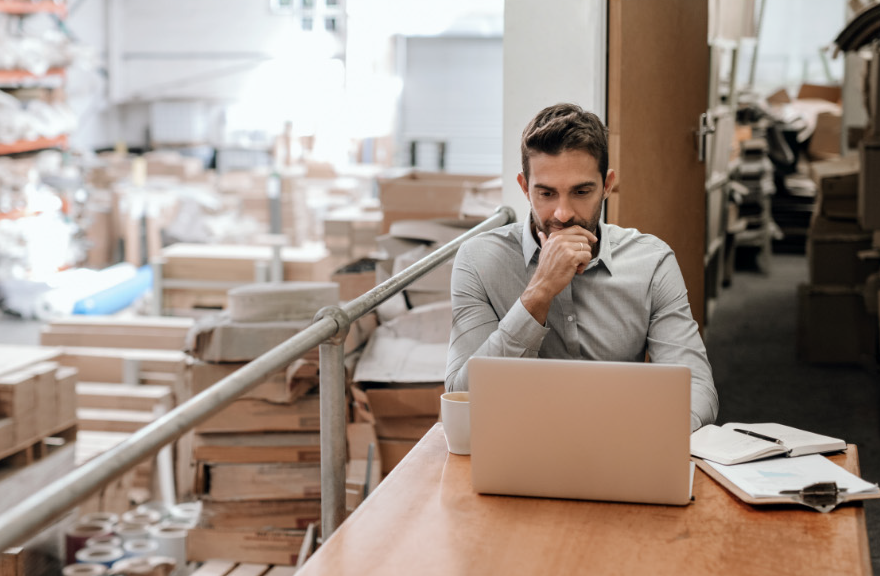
563, 254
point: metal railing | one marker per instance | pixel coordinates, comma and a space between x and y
327, 331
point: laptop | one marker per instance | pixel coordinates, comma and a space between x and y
586, 430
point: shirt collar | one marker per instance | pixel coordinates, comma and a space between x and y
530, 245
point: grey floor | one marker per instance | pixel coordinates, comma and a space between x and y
751, 344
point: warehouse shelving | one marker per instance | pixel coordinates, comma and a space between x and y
22, 7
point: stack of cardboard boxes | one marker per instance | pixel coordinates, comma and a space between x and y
401, 373
256, 464
36, 401
197, 277
838, 310
130, 371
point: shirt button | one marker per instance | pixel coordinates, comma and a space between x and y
570, 318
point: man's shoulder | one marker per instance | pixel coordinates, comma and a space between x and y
507, 236
633, 238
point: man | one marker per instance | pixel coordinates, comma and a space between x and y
565, 285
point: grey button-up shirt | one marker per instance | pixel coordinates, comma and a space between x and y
631, 299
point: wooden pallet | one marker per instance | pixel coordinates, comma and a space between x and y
25, 453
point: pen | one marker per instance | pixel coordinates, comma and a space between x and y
761, 436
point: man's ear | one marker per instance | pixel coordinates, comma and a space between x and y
609, 183
523, 183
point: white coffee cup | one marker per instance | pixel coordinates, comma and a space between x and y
455, 411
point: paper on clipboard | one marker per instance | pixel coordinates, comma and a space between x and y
773, 477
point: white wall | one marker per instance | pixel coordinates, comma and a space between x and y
554, 51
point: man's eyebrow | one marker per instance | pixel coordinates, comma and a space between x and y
587, 184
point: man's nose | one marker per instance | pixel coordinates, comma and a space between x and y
563, 211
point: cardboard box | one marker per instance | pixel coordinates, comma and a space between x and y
237, 262
423, 195
7, 433
869, 186
281, 447
393, 451
404, 428
110, 364
279, 387
829, 93
355, 279
837, 184
46, 408
18, 400
405, 402
141, 332
826, 138
832, 252
66, 378
248, 415
218, 339
833, 326
275, 481
244, 545
260, 514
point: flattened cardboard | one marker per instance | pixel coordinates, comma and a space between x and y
249, 415
231, 448
244, 545
262, 481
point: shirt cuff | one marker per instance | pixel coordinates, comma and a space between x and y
522, 327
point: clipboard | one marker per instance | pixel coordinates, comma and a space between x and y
822, 497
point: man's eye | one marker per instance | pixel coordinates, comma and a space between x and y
582, 192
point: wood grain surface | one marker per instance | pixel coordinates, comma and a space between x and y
426, 519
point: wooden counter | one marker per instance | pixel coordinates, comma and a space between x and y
426, 519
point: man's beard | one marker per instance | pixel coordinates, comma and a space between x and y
592, 225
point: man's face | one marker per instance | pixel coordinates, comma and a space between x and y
565, 190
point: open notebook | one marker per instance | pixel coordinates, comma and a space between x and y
613, 431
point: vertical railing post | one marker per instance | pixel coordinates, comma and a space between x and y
158, 287
331, 369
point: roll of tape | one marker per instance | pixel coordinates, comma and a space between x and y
100, 517
144, 566
142, 517
187, 513
130, 531
105, 555
76, 536
104, 540
84, 570
172, 542
140, 547
160, 507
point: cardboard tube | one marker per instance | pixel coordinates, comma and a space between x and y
143, 517
105, 555
172, 542
144, 566
140, 547
104, 540
84, 570
76, 536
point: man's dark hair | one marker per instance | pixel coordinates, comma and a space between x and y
565, 127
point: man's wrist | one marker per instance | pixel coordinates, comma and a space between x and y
537, 302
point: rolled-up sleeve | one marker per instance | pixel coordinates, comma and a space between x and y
477, 329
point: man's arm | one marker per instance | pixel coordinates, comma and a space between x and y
674, 338
477, 328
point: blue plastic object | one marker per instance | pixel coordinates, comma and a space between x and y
117, 297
